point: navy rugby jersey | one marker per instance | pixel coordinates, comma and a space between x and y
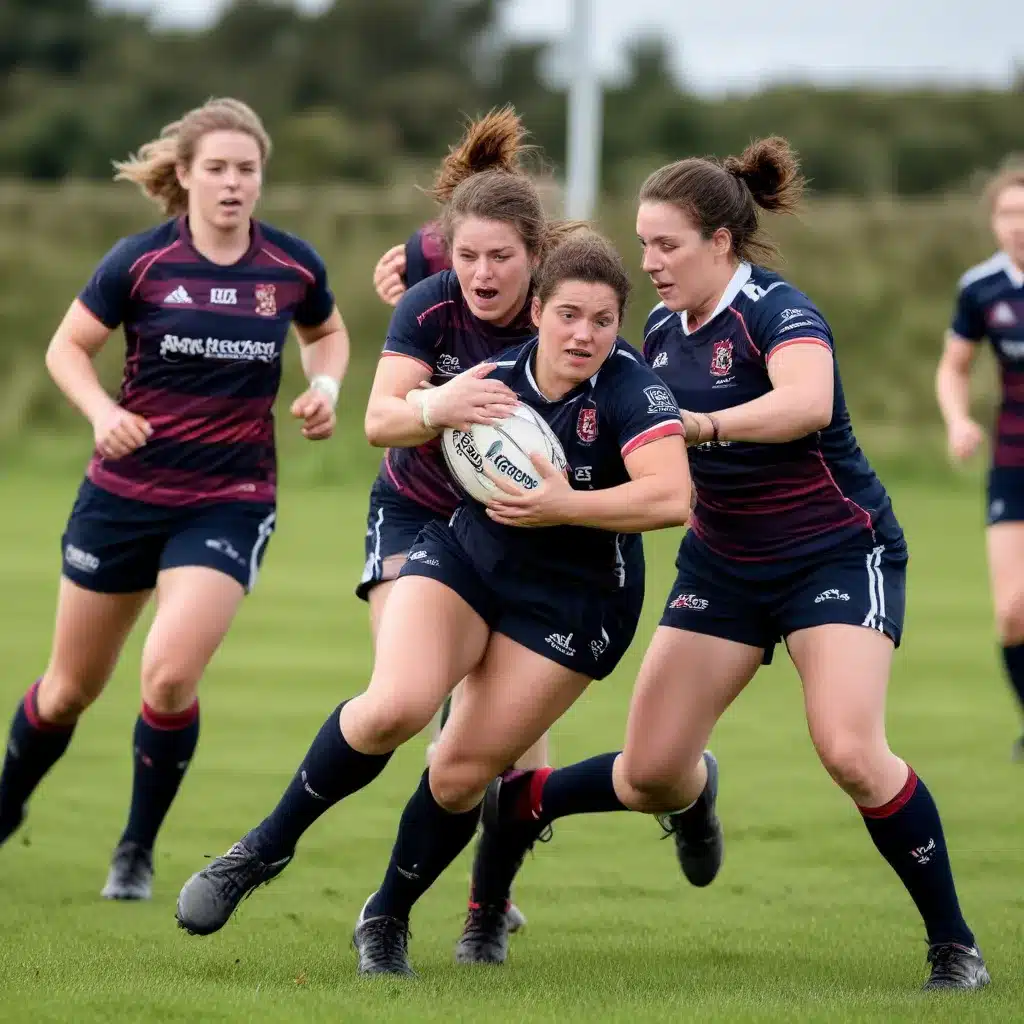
763, 502
620, 408
990, 304
426, 254
203, 359
433, 325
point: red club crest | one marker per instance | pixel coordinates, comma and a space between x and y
266, 299
721, 358
586, 425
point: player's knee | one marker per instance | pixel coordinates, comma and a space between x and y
1010, 618
168, 686
63, 698
851, 760
380, 726
458, 785
651, 786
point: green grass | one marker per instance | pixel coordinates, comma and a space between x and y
805, 922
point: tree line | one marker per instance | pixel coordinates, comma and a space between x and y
373, 91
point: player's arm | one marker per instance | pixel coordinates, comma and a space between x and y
800, 402
324, 351
953, 391
404, 411
82, 333
657, 494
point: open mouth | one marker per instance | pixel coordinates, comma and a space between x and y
230, 204
486, 294
577, 353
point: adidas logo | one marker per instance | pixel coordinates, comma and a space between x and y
1003, 315
179, 296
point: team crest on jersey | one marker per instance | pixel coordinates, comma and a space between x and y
586, 425
266, 299
721, 358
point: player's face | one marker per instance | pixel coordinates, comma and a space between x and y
1008, 222
577, 327
493, 268
224, 180
687, 270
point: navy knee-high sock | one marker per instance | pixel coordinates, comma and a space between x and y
908, 834
330, 771
429, 839
537, 798
163, 746
1013, 660
34, 746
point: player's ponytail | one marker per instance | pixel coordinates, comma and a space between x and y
484, 176
494, 142
154, 167
717, 194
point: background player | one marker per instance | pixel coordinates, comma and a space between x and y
423, 255
180, 493
793, 537
528, 616
990, 304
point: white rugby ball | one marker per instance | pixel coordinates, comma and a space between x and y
505, 447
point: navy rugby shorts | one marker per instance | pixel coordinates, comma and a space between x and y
115, 545
392, 525
1005, 495
859, 584
573, 624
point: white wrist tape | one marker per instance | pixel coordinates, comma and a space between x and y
328, 385
420, 398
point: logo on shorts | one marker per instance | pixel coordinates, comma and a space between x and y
586, 425
660, 360
562, 642
996, 509
831, 595
691, 601
225, 547
266, 299
721, 358
81, 560
583, 474
598, 647
416, 556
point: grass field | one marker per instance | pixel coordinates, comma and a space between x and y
804, 923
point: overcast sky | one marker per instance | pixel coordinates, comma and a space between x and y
724, 46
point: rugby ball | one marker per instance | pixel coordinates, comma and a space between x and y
505, 447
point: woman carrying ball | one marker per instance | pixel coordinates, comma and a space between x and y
990, 304
527, 616
793, 537
179, 497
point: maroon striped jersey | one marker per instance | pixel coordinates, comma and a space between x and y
203, 358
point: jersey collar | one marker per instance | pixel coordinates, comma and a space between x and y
255, 243
732, 289
1012, 271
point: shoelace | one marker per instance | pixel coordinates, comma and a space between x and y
238, 871
385, 940
948, 962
